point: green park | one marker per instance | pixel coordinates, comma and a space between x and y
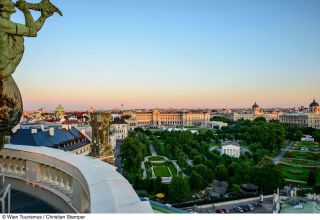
200, 161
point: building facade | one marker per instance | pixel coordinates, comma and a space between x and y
309, 119
231, 150
255, 113
158, 118
121, 130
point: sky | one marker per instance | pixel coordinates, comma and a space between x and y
173, 53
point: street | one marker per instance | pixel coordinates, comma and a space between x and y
117, 162
267, 207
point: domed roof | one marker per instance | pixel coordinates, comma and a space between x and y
314, 104
255, 105
60, 109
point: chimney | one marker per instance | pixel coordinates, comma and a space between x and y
42, 127
65, 127
51, 132
70, 127
34, 131
15, 129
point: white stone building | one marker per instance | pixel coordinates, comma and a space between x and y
231, 150
212, 124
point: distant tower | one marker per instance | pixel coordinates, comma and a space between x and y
314, 107
255, 108
121, 110
91, 109
101, 148
59, 112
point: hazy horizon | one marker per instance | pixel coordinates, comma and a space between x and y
173, 53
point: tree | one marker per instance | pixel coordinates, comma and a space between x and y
157, 184
316, 135
131, 154
179, 189
258, 119
312, 179
221, 172
299, 135
268, 178
196, 181
197, 160
236, 189
316, 189
206, 173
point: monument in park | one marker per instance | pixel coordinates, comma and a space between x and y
11, 52
100, 122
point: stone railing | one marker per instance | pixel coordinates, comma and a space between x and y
71, 183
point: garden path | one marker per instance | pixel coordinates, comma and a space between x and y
295, 181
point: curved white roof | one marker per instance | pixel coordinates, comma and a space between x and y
109, 191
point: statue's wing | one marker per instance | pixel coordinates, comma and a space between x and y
44, 5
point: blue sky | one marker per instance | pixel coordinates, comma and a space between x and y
173, 53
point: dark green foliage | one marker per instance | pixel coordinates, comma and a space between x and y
196, 181
131, 154
316, 189
316, 135
268, 178
221, 173
179, 189
312, 178
206, 173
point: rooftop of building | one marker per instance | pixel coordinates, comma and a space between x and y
106, 189
308, 207
314, 104
43, 138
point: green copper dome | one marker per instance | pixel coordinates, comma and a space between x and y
60, 109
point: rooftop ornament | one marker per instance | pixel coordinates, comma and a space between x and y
11, 52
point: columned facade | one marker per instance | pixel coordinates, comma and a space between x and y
158, 118
231, 150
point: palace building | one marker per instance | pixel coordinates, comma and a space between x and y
158, 118
309, 119
256, 112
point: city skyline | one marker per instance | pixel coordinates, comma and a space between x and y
85, 107
161, 54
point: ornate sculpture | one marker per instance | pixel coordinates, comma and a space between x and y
11, 52
100, 122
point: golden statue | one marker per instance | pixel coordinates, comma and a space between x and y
11, 52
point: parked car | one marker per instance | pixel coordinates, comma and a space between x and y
220, 211
251, 208
238, 209
245, 208
226, 210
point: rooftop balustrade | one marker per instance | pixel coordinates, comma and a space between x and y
70, 183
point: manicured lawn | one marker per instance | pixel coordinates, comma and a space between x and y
161, 171
155, 158
302, 155
289, 172
300, 162
172, 169
148, 169
162, 148
306, 144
